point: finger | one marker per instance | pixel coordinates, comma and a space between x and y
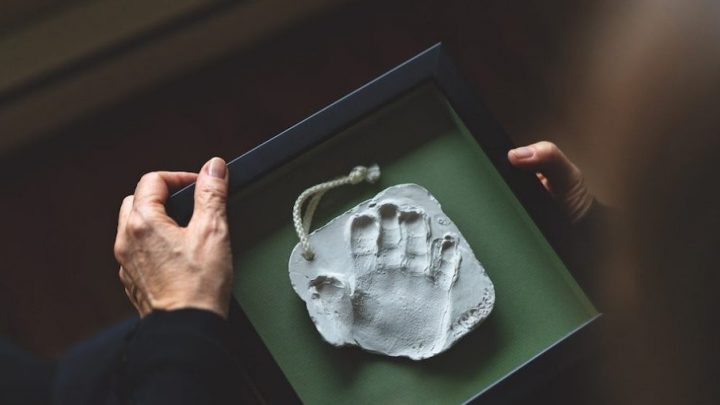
211, 192
140, 301
389, 226
124, 277
543, 180
120, 243
125, 209
545, 157
416, 231
364, 231
558, 175
131, 298
446, 260
154, 188
135, 296
128, 285
390, 240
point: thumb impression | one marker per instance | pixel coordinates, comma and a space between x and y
211, 191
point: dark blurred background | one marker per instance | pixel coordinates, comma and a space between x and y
95, 93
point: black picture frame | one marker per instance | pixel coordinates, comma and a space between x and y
431, 65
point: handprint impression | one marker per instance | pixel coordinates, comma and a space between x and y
399, 297
400, 300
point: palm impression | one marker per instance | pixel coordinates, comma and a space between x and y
394, 276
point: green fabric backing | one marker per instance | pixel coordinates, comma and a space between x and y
416, 139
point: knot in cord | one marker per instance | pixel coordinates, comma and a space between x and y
302, 223
360, 173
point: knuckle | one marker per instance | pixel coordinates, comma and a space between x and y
211, 195
127, 201
137, 226
150, 176
120, 250
548, 148
123, 277
214, 226
145, 212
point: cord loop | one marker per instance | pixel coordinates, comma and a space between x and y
314, 194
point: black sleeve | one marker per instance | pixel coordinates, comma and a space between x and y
587, 249
180, 357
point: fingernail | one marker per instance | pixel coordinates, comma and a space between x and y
217, 168
524, 152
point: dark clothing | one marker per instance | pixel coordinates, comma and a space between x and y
586, 249
168, 357
86, 374
179, 357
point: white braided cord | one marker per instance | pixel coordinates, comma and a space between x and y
302, 223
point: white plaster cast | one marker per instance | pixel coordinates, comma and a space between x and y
393, 276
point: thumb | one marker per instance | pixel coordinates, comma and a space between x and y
211, 191
546, 158
558, 174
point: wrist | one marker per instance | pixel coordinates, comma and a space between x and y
209, 293
214, 304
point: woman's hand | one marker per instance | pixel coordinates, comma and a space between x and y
558, 174
165, 266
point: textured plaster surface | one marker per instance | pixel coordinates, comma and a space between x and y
393, 276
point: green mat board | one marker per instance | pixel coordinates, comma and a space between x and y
415, 139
